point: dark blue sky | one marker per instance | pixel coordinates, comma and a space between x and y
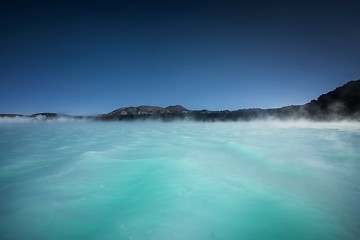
85, 57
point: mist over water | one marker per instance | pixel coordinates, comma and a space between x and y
179, 180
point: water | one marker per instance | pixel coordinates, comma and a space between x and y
179, 180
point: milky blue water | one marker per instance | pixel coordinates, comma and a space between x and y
179, 180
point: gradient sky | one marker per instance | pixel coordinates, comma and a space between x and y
85, 57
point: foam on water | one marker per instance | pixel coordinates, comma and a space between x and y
179, 180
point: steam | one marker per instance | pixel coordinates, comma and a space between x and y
269, 123
303, 123
37, 119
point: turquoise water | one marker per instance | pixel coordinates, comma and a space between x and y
179, 180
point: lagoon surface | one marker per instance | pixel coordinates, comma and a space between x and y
179, 180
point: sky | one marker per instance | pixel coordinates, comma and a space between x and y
89, 57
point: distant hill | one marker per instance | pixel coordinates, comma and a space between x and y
145, 112
343, 103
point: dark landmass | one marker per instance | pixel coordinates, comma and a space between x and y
339, 104
49, 115
343, 103
11, 115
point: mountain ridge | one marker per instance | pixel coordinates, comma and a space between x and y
339, 104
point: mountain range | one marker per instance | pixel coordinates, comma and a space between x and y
343, 103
